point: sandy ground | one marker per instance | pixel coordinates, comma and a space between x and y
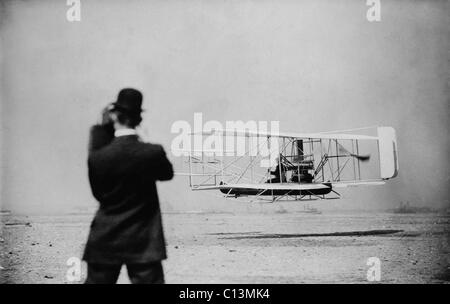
274, 247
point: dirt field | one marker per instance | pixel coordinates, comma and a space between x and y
271, 247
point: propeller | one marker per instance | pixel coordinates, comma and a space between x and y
362, 158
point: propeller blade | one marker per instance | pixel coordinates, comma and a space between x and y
361, 157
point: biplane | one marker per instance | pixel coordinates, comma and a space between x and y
295, 166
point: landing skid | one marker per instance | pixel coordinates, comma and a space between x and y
284, 198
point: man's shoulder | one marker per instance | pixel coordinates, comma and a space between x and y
151, 148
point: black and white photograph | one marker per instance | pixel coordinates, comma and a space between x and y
224, 142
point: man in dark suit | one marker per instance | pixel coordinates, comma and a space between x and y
127, 228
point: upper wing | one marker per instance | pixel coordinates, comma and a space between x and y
246, 132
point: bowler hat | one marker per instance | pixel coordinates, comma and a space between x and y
128, 100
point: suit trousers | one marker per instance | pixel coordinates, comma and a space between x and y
150, 273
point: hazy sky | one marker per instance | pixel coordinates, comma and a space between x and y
312, 65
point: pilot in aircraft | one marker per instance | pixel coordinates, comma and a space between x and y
276, 172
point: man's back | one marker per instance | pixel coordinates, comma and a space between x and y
122, 172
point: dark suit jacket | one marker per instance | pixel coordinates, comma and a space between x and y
123, 171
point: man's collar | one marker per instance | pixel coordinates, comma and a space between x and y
125, 132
